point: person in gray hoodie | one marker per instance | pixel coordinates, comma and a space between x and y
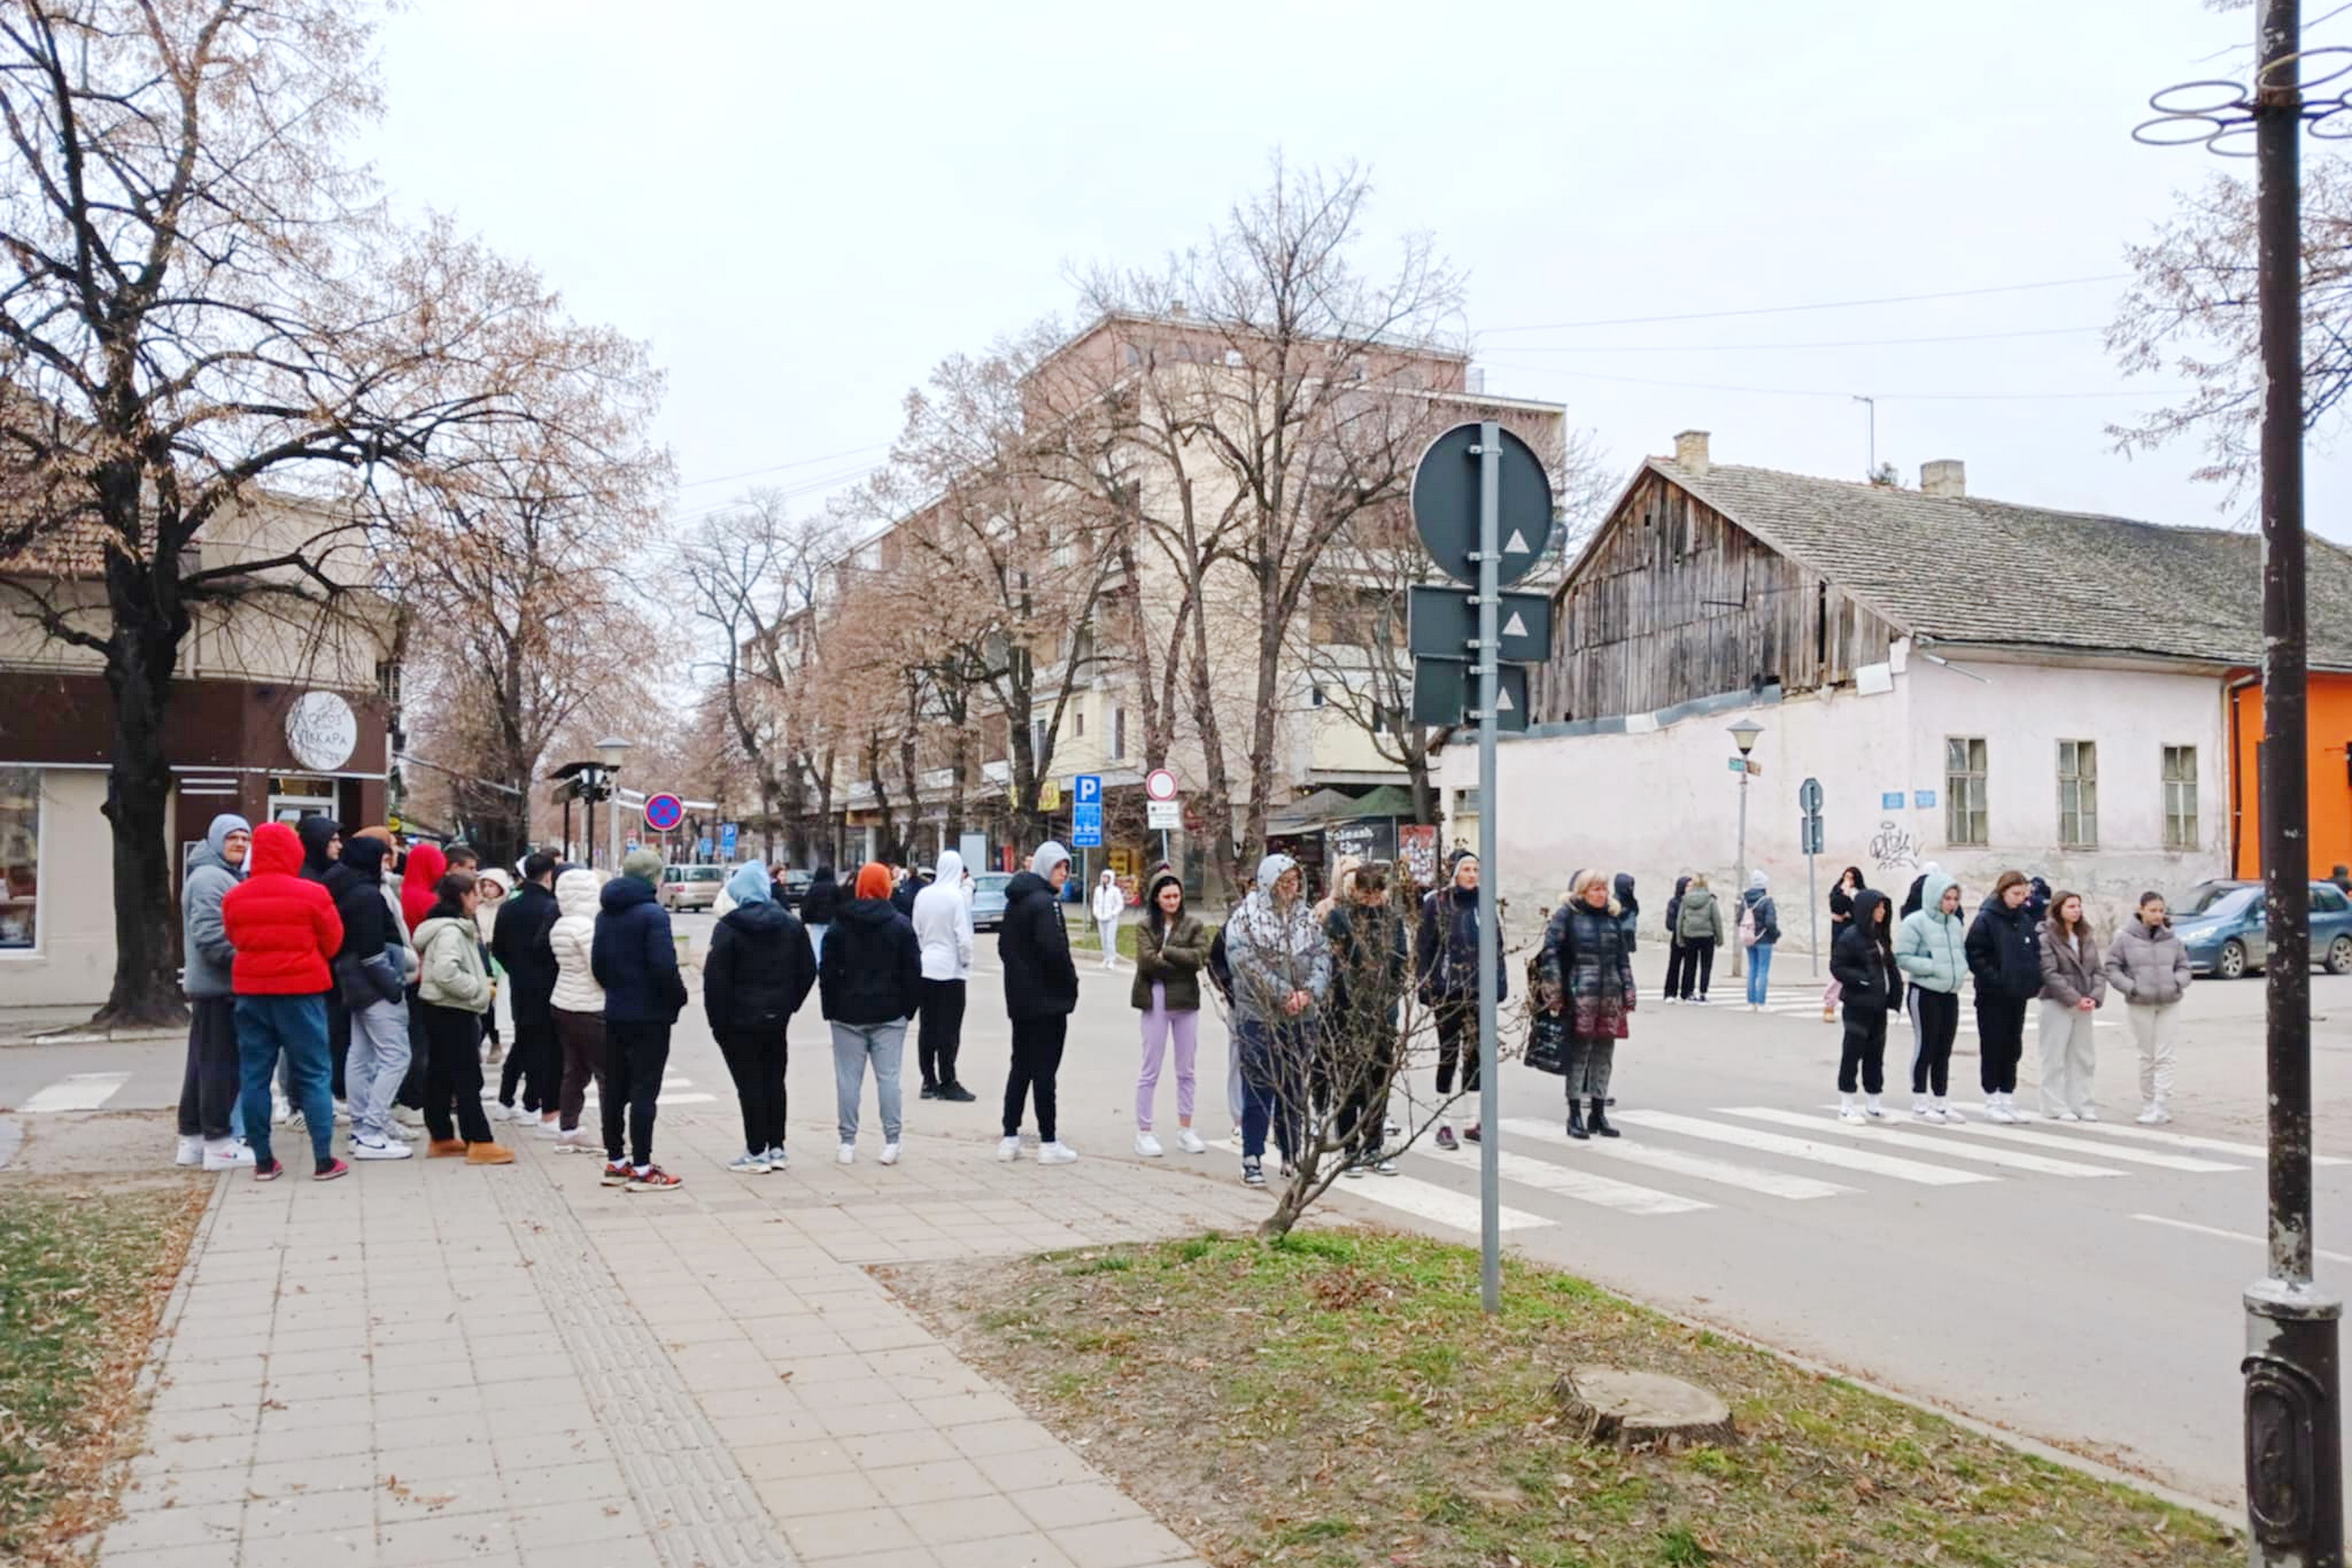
1931, 951
1281, 964
208, 1088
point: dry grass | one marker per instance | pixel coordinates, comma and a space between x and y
1337, 1399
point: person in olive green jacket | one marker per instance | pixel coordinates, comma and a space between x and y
1699, 926
1171, 944
454, 992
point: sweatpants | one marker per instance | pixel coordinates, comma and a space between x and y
1036, 1044
1457, 1040
1274, 1069
635, 1056
378, 1061
2153, 1029
755, 1060
1865, 1048
2000, 1040
580, 1038
1159, 1025
535, 1064
208, 1088
1699, 968
939, 1008
2069, 1057
295, 1028
453, 1074
853, 1045
1934, 1023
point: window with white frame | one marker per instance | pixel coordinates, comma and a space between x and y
2078, 794
2180, 798
1965, 816
19, 859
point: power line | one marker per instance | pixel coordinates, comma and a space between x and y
779, 467
1819, 392
1825, 305
1849, 343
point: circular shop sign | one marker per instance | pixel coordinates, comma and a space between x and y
663, 811
322, 732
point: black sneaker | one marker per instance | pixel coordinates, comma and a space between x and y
958, 1093
1252, 1174
930, 1091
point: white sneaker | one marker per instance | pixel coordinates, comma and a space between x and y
190, 1153
551, 1129
280, 1112
1946, 1110
1929, 1111
1055, 1155
2153, 1114
1871, 1108
1010, 1149
1234, 1138
1849, 1110
2063, 1115
2089, 1113
890, 1154
1148, 1146
1921, 1108
775, 1157
228, 1154
748, 1163
1189, 1141
379, 1148
578, 1138
848, 1155
1997, 1108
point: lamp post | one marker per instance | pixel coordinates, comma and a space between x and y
1744, 734
612, 749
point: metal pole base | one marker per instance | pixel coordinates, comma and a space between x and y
2294, 1444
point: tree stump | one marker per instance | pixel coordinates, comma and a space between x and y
1632, 1410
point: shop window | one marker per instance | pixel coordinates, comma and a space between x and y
19, 859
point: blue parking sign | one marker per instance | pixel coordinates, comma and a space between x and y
726, 840
1089, 791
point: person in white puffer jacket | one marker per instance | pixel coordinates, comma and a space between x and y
577, 1005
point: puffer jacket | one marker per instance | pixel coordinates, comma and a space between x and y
2002, 952
2070, 974
1033, 947
872, 969
1276, 950
1859, 960
634, 955
759, 969
205, 952
1700, 919
572, 939
518, 941
2150, 969
285, 929
1931, 946
450, 948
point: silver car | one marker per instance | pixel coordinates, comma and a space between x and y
690, 887
988, 899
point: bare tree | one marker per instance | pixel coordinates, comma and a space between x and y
203, 313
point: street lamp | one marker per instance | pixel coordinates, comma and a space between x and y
613, 748
1743, 735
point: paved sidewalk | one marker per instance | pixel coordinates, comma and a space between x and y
433, 1362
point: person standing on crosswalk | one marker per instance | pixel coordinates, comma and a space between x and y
2149, 965
1700, 925
1281, 964
1760, 931
2005, 958
1445, 957
1676, 955
1586, 970
1931, 951
2074, 986
1863, 964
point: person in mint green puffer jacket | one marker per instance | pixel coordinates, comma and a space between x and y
1931, 951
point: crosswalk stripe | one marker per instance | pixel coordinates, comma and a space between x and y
1805, 1148
2186, 1140
1427, 1200
1921, 1143
80, 1091
1772, 1183
1587, 1188
2128, 1156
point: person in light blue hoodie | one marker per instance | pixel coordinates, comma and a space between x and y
1931, 951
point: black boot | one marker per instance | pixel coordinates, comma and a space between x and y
1575, 1121
1600, 1121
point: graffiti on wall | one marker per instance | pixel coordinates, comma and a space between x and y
1894, 848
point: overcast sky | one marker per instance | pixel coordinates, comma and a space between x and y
803, 207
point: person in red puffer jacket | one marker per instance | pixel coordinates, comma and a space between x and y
285, 931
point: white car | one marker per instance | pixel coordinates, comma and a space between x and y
690, 887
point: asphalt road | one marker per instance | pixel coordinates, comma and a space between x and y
2078, 1285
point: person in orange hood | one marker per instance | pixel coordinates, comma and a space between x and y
420, 885
285, 931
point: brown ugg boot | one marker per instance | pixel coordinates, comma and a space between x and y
489, 1154
446, 1148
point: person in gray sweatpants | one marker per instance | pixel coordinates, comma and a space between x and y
870, 980
377, 959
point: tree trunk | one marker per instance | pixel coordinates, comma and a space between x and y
1218, 787
140, 664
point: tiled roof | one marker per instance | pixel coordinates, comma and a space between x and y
1971, 570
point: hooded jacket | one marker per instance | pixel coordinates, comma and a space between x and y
2002, 952
1171, 959
1445, 948
1859, 960
454, 977
371, 931
1276, 949
1759, 899
2069, 970
1107, 903
822, 898
518, 941
205, 953
1931, 946
1033, 942
427, 865
634, 955
1916, 899
1674, 910
571, 940
1700, 919
761, 965
285, 929
318, 834
943, 922
2150, 969
872, 969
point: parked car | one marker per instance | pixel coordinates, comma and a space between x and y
2224, 926
796, 887
988, 899
690, 887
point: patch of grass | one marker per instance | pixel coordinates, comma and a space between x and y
1337, 1399
83, 1277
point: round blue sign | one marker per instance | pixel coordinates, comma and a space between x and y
663, 811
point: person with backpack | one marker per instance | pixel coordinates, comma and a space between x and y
1699, 925
1040, 993
1931, 951
758, 972
1759, 930
1445, 958
871, 977
1863, 963
1172, 945
634, 958
455, 990
2074, 986
2149, 967
2005, 958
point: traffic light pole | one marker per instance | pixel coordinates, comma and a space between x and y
1490, 940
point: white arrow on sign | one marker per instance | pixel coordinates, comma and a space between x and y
1516, 544
1502, 699
1514, 627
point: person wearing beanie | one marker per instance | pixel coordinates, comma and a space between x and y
1759, 928
871, 980
943, 928
207, 1086
1040, 993
286, 932
634, 958
758, 973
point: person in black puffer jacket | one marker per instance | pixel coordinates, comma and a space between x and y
518, 941
817, 907
1862, 961
758, 972
2005, 958
872, 979
635, 959
1040, 993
